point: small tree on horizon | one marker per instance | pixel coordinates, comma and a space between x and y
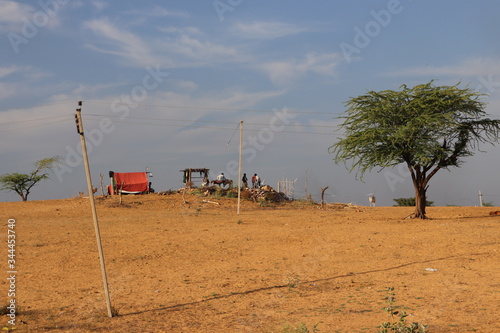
427, 127
408, 202
23, 183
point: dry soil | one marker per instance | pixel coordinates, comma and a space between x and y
179, 264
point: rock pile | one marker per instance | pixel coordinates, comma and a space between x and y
264, 193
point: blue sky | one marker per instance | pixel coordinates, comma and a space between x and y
165, 83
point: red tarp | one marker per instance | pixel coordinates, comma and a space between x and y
133, 181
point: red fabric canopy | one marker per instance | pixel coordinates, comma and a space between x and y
132, 181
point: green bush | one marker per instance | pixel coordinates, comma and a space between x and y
409, 202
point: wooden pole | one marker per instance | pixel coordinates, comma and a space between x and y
239, 166
323, 196
79, 126
305, 184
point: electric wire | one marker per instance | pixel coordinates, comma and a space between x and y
216, 128
206, 121
204, 108
160, 124
37, 119
38, 125
129, 118
36, 106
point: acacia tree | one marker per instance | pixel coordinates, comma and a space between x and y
23, 183
427, 127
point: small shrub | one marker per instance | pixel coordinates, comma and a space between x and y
400, 325
232, 193
410, 202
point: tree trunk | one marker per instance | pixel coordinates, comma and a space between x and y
420, 203
24, 197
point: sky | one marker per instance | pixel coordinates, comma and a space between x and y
165, 84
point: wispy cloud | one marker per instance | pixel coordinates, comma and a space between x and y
99, 4
186, 47
15, 16
4, 71
121, 43
288, 71
469, 67
12, 13
158, 11
266, 30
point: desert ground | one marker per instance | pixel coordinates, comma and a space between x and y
179, 264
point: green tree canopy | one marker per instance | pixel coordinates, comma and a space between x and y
23, 183
427, 127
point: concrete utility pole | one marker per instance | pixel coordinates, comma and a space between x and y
239, 166
79, 128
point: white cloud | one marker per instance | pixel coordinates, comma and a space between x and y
266, 30
287, 71
99, 5
121, 43
15, 17
6, 90
187, 85
469, 67
185, 47
12, 13
162, 12
158, 11
4, 71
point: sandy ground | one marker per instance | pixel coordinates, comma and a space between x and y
200, 267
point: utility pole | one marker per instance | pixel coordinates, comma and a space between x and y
79, 128
305, 184
239, 166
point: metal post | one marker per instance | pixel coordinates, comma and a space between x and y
79, 127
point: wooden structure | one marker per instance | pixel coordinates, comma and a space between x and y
191, 175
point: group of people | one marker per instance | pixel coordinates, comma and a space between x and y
255, 180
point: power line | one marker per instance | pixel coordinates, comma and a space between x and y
206, 108
22, 128
216, 128
204, 121
37, 119
160, 124
36, 106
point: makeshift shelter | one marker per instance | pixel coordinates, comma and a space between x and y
128, 183
190, 175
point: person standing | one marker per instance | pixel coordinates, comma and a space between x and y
245, 180
255, 181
